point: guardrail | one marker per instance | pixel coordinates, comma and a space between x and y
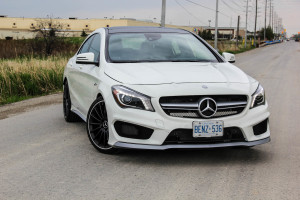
271, 42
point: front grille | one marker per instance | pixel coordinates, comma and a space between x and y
185, 136
188, 106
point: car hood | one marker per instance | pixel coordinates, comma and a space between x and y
167, 73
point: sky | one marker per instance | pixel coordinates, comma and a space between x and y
178, 12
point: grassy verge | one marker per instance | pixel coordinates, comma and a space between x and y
230, 46
25, 78
241, 50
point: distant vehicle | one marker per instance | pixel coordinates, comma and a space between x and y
162, 88
297, 40
288, 39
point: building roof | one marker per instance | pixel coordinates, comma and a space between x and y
142, 29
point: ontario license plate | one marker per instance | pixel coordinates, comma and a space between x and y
208, 129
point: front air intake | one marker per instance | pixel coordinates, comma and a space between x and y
261, 128
133, 131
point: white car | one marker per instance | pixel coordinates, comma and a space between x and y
161, 88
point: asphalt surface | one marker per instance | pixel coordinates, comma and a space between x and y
43, 157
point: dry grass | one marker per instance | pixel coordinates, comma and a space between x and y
230, 46
21, 78
11, 49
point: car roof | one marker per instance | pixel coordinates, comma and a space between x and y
143, 29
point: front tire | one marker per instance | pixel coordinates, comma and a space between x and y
97, 127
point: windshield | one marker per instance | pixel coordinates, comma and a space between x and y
157, 47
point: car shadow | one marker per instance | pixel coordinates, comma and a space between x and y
217, 156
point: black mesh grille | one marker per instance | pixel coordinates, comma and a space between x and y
261, 127
185, 136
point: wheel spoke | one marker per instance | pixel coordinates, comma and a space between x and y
98, 114
95, 129
95, 118
104, 138
103, 117
93, 123
98, 133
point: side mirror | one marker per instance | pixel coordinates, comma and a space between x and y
229, 57
86, 58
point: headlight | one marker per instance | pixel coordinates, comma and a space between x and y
258, 97
128, 98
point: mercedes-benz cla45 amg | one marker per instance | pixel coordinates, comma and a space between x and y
161, 88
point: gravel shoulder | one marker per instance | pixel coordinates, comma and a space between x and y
29, 104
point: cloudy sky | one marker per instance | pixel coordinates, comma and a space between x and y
179, 12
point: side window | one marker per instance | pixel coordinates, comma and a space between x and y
86, 46
95, 47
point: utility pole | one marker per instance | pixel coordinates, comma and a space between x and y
163, 14
265, 20
270, 13
216, 25
276, 25
246, 24
255, 23
237, 32
273, 18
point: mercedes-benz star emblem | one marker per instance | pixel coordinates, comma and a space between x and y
207, 107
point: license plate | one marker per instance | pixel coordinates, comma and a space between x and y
208, 129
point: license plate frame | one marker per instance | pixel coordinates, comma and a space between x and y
212, 128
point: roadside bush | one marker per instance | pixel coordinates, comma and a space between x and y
28, 48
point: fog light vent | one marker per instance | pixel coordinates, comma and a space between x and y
133, 131
261, 127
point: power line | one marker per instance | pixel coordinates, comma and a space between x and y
200, 5
188, 11
236, 4
231, 8
206, 7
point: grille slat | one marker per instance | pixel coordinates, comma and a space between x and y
187, 106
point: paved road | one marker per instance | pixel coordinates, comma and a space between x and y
42, 157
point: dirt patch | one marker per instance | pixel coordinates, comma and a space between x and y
30, 104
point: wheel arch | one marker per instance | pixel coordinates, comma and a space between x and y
65, 80
99, 95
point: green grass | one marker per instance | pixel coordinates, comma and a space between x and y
25, 78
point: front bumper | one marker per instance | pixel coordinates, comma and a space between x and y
163, 125
189, 146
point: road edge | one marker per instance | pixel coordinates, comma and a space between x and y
16, 108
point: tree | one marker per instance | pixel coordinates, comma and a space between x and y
200, 33
206, 35
209, 35
83, 34
51, 33
269, 33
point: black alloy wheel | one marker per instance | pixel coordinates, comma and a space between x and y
97, 127
68, 114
